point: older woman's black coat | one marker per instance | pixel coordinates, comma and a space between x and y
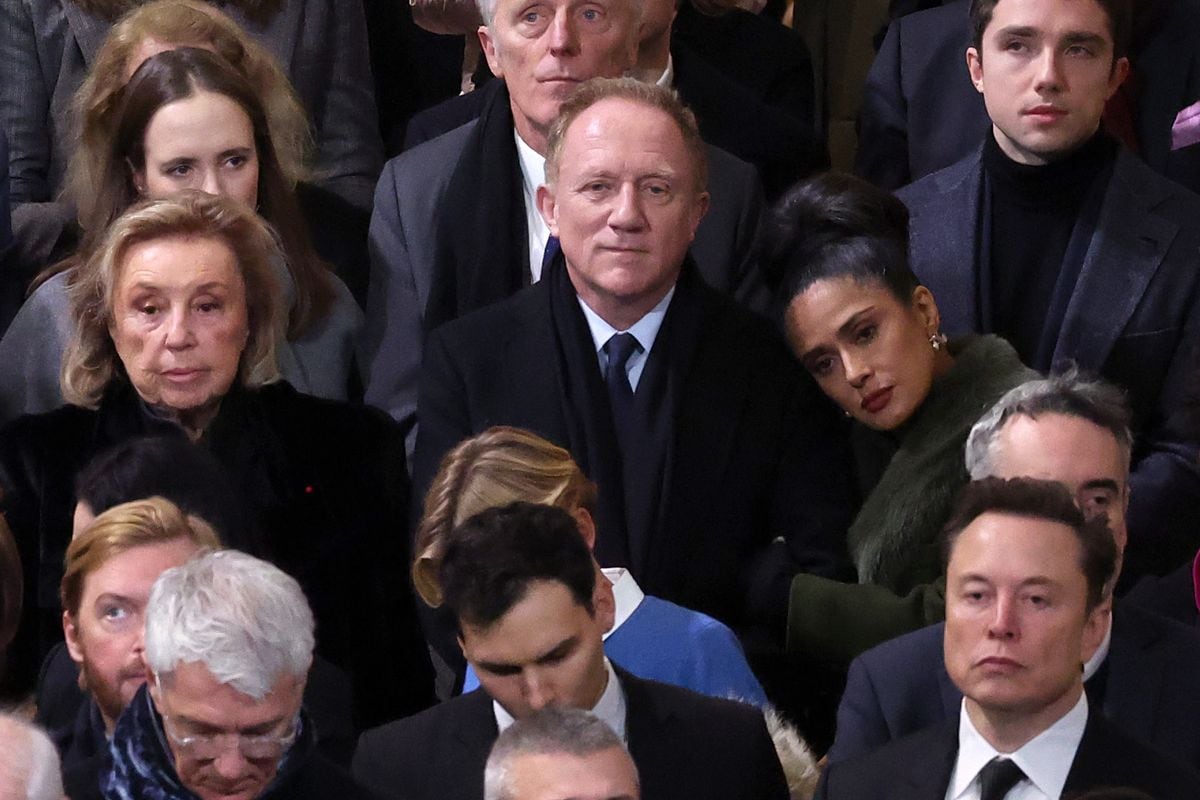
325, 482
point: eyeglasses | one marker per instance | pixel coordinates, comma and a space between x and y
208, 746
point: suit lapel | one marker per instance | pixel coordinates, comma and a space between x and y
1129, 245
474, 738
1133, 661
533, 372
89, 31
944, 257
707, 390
927, 778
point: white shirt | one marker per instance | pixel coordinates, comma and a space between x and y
1045, 759
626, 594
645, 330
667, 79
533, 175
610, 707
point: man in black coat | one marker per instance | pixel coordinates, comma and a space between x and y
1025, 609
532, 616
1143, 679
720, 473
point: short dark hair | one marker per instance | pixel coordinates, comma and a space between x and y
172, 468
491, 559
1119, 13
1049, 500
833, 226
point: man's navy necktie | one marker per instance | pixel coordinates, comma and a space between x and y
552, 249
998, 777
618, 349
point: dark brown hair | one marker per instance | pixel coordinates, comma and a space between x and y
175, 75
1119, 13
1048, 500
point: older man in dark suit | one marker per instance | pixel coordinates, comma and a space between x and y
1025, 577
1143, 678
1054, 237
532, 615
720, 472
456, 225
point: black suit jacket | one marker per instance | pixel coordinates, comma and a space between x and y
755, 455
1147, 686
919, 766
920, 112
782, 148
685, 746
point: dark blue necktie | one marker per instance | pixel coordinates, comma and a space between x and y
618, 349
997, 778
552, 250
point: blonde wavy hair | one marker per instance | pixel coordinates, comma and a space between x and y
121, 528
91, 363
499, 466
180, 23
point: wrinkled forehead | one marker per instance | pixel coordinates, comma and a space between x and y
1059, 447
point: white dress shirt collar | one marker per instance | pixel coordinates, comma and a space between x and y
1045, 759
610, 707
667, 79
626, 594
533, 175
645, 330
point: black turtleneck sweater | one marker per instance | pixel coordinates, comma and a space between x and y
1034, 211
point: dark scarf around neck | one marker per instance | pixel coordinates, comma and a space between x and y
481, 248
141, 765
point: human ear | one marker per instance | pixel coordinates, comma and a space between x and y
548, 207
925, 307
71, 635
490, 51
975, 68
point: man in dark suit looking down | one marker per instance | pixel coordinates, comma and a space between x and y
532, 615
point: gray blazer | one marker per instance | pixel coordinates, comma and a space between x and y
47, 48
403, 244
1133, 317
32, 349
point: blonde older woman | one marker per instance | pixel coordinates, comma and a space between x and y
177, 322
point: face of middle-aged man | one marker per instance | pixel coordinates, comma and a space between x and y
606, 775
547, 650
230, 765
1017, 627
1083, 456
625, 206
543, 49
179, 320
105, 638
1045, 70
204, 142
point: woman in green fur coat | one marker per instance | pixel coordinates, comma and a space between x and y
859, 321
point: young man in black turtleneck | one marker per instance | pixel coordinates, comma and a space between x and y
1056, 238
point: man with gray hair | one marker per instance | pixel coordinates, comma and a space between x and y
456, 225
1073, 430
228, 645
29, 766
560, 754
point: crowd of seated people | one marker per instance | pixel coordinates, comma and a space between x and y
602, 443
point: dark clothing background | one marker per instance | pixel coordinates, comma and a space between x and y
328, 486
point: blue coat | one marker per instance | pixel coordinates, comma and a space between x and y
1133, 317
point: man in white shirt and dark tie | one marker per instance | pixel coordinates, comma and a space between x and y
1025, 610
